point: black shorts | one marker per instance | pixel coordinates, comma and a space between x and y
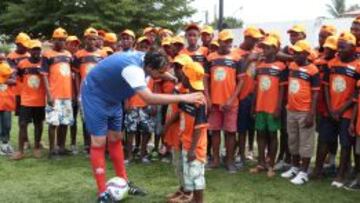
31, 114
245, 121
330, 131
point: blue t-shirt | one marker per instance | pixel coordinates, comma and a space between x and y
117, 77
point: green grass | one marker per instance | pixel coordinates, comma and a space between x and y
70, 180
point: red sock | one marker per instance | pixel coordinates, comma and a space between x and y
117, 156
97, 157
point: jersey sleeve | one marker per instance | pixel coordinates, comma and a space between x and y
357, 90
315, 81
135, 77
76, 64
200, 117
45, 65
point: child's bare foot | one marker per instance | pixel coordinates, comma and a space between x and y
174, 195
184, 198
17, 156
271, 173
257, 169
37, 153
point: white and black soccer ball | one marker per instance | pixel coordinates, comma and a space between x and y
118, 188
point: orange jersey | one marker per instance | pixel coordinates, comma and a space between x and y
248, 78
323, 68
302, 82
33, 89
198, 56
223, 71
193, 118
14, 59
7, 98
342, 83
357, 100
136, 101
84, 61
56, 65
269, 77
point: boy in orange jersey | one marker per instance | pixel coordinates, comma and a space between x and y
151, 34
7, 103
222, 78
207, 35
344, 73
58, 83
143, 44
304, 85
32, 107
270, 77
84, 60
127, 40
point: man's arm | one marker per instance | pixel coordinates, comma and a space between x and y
152, 98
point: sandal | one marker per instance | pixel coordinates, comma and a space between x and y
174, 195
184, 198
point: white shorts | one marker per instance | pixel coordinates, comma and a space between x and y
193, 174
61, 113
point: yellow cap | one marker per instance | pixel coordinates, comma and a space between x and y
297, 29
91, 32
166, 41
347, 37
142, 38
195, 73
110, 37
331, 42
59, 33
34, 44
178, 40
166, 31
192, 26
22, 38
149, 29
128, 32
73, 38
226, 34
214, 42
5, 72
301, 46
329, 29
253, 31
207, 29
275, 34
183, 59
270, 41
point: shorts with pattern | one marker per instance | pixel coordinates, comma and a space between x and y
61, 113
193, 174
139, 120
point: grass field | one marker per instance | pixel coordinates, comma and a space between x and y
69, 180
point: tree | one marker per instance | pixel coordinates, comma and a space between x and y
229, 22
338, 7
40, 17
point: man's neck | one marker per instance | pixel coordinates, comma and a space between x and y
193, 47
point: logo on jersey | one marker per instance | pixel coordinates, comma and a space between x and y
294, 86
339, 84
219, 74
265, 83
64, 69
33, 81
3, 87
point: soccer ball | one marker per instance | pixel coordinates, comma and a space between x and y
117, 188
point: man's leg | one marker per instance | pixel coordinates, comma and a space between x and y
73, 127
215, 141
117, 153
198, 196
62, 131
52, 131
129, 145
230, 142
97, 157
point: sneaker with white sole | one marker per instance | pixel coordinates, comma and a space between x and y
292, 172
7, 149
281, 165
300, 178
337, 184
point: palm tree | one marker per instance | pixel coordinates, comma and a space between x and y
336, 8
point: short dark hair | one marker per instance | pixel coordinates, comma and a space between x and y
155, 59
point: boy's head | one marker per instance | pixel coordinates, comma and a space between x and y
59, 38
90, 38
270, 46
178, 44
150, 33
179, 62
355, 29
72, 43
127, 39
302, 50
164, 33
346, 45
192, 34
330, 47
155, 63
35, 49
194, 76
325, 32
214, 46
21, 42
252, 35
166, 44
207, 34
296, 33
226, 38
5, 71
143, 44
110, 40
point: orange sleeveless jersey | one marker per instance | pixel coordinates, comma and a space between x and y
84, 61
249, 83
136, 101
198, 55
14, 59
356, 99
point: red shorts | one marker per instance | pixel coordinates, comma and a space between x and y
223, 120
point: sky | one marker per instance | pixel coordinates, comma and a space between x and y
260, 11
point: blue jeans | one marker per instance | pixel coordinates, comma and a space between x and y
5, 126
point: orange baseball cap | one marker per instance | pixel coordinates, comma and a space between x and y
141, 39
108, 50
207, 29
166, 41
192, 26
91, 32
195, 73
128, 32
347, 37
253, 31
329, 29
34, 44
149, 29
302, 46
178, 40
226, 34
60, 33
215, 42
110, 37
5, 72
166, 31
22, 38
73, 38
183, 59
271, 41
297, 28
331, 42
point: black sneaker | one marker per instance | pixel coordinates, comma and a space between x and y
105, 198
353, 186
136, 191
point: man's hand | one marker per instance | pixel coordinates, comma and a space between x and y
191, 156
309, 120
50, 102
194, 98
227, 106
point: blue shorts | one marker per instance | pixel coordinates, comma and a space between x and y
330, 130
245, 120
100, 116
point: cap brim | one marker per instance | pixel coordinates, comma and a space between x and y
197, 85
207, 32
330, 46
226, 38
